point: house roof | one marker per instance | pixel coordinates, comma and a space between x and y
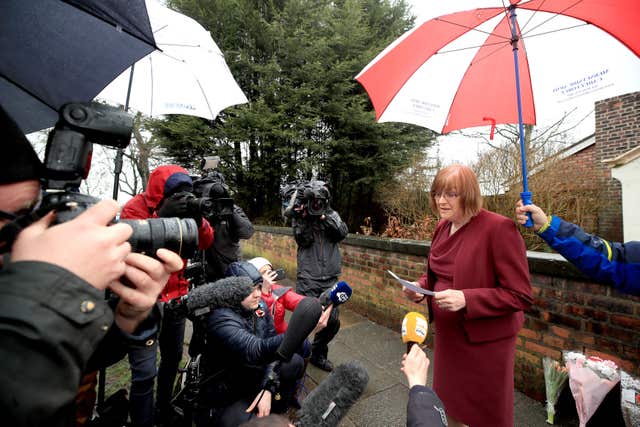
578, 146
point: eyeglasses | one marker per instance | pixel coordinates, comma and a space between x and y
448, 195
26, 210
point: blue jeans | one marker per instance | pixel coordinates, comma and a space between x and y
142, 360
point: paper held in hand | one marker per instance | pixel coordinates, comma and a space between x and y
410, 285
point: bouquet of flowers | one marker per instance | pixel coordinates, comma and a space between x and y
555, 378
590, 379
630, 400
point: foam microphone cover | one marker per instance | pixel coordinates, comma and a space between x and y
227, 292
336, 295
302, 322
328, 403
414, 328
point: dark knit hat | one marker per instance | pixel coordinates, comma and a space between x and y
18, 160
244, 269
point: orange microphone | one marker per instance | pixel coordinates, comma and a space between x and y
414, 329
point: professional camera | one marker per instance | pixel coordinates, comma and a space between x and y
310, 196
67, 162
212, 187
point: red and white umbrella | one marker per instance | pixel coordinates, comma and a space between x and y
507, 63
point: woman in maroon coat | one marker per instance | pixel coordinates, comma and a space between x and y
478, 268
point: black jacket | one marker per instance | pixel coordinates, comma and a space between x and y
226, 242
51, 321
239, 355
319, 258
425, 409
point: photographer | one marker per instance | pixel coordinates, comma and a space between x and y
168, 194
229, 221
54, 315
317, 229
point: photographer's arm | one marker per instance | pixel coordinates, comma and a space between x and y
335, 228
241, 226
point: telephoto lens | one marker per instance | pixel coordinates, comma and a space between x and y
176, 234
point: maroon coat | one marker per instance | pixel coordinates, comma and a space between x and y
475, 347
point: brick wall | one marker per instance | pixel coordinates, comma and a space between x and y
617, 131
569, 313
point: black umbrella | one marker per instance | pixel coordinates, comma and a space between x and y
56, 51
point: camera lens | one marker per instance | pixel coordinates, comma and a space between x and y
175, 234
317, 206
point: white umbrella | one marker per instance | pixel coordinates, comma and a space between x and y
189, 76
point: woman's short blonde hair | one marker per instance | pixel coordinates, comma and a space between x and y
458, 179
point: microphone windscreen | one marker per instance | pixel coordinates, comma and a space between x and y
340, 293
414, 328
328, 403
227, 292
302, 322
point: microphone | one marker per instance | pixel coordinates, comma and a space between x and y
302, 322
328, 403
336, 295
414, 329
227, 292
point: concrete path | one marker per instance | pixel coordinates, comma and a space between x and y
385, 399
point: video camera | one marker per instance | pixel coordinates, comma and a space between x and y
67, 163
310, 196
213, 188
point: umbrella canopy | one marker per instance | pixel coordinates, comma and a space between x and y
189, 76
53, 52
457, 71
502, 64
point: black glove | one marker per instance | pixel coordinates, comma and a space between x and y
174, 206
177, 205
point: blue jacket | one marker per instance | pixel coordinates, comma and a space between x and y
612, 263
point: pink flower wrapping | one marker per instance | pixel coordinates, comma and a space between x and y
590, 380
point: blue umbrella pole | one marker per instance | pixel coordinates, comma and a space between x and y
525, 195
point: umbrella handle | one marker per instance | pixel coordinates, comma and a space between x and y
526, 200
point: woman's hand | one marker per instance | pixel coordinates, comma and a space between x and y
262, 402
412, 295
450, 300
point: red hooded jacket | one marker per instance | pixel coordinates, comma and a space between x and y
163, 179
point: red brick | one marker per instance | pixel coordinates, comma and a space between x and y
626, 321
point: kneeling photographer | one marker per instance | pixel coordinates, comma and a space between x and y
317, 229
168, 194
54, 315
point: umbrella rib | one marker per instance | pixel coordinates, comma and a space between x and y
114, 25
470, 28
501, 44
25, 90
528, 36
553, 16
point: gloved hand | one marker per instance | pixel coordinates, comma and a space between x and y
175, 205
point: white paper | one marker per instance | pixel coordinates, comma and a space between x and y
410, 285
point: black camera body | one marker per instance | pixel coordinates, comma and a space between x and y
310, 196
213, 188
67, 163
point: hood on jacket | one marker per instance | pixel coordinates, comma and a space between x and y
164, 180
